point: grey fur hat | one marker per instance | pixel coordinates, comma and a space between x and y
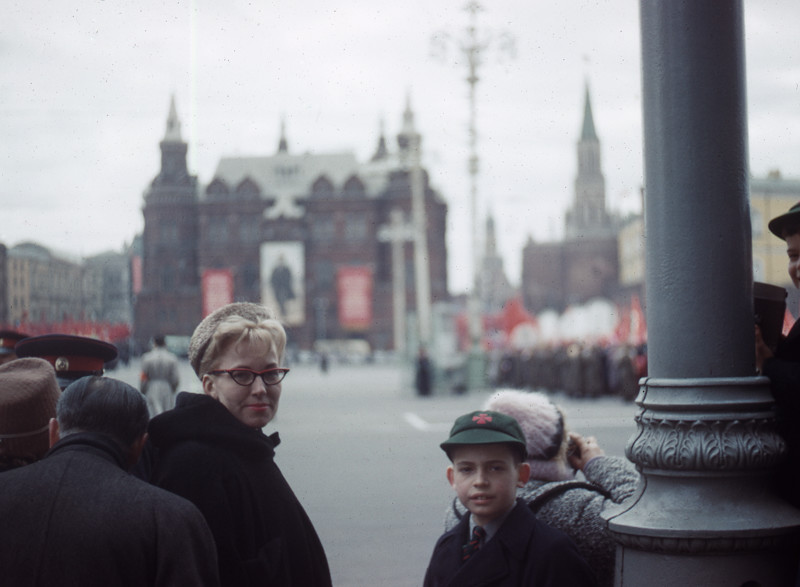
205, 330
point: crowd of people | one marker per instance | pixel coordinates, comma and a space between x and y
576, 369
189, 493
99, 489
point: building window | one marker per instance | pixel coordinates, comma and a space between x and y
169, 233
756, 222
167, 279
323, 274
758, 269
323, 230
249, 229
218, 229
355, 230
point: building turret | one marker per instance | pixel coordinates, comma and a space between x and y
588, 215
283, 145
381, 152
173, 152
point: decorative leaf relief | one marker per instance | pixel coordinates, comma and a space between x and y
696, 445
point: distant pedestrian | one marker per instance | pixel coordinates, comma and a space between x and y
28, 395
500, 543
77, 517
159, 379
424, 374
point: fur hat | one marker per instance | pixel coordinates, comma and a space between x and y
28, 396
201, 338
542, 423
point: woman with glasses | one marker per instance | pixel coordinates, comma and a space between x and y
211, 450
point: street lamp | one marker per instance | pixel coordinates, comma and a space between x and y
473, 47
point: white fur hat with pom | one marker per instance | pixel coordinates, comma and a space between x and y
542, 422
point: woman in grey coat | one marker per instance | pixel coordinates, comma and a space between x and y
572, 503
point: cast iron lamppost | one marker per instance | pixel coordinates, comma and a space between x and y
707, 440
473, 46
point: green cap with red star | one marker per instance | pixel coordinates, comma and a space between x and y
485, 427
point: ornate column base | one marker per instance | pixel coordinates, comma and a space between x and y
704, 513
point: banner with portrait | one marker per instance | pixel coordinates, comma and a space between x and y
283, 280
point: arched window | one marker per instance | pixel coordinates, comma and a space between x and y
218, 189
322, 188
248, 190
354, 187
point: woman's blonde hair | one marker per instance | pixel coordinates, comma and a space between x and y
234, 331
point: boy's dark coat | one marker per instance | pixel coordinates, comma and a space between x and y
524, 551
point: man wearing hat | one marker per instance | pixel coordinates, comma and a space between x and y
77, 517
501, 542
28, 396
8, 340
783, 365
71, 356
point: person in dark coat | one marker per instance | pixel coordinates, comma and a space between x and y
211, 450
78, 518
782, 365
424, 374
501, 543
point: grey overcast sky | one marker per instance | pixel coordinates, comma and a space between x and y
85, 88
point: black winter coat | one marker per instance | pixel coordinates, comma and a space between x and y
78, 519
225, 468
783, 371
523, 553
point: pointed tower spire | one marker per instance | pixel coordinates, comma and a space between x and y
408, 134
588, 132
491, 236
381, 152
283, 145
173, 133
408, 116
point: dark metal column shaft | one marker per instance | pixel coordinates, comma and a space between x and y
707, 442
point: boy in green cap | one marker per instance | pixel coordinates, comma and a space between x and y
501, 542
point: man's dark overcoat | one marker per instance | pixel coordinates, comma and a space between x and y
523, 552
783, 371
263, 535
77, 518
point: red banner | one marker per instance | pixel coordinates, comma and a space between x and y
354, 286
217, 289
136, 274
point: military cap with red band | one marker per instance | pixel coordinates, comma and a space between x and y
9, 339
72, 356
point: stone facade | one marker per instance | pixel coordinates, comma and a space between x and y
307, 217
586, 264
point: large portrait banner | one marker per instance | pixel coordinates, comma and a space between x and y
283, 280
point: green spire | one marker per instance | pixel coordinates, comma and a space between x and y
588, 132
